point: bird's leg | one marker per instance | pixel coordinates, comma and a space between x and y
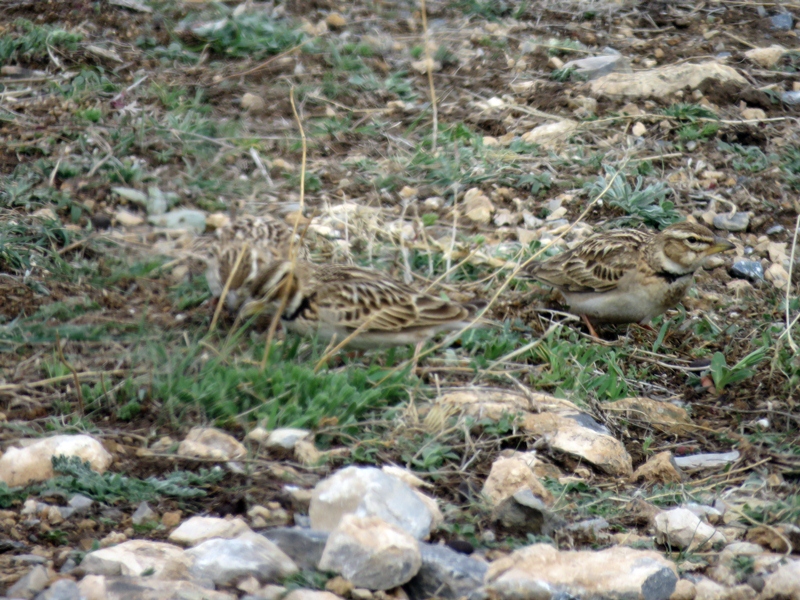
645, 326
415, 358
590, 327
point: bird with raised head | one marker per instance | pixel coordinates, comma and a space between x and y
334, 301
629, 276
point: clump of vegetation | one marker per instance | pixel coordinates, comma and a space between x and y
254, 35
643, 204
26, 41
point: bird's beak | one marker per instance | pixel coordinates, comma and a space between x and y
720, 245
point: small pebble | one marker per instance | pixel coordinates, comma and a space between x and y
775, 229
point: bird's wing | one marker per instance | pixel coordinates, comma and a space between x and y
596, 265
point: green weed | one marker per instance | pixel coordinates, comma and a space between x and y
747, 158
249, 35
76, 477
689, 112
725, 376
26, 41
648, 205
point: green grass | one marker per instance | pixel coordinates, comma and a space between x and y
25, 41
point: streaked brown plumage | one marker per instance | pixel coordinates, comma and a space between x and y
335, 300
264, 240
630, 276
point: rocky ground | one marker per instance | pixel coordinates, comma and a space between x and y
149, 454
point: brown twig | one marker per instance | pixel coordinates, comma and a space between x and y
227, 287
429, 69
72, 370
273, 326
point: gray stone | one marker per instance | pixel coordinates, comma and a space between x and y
30, 559
747, 269
227, 561
445, 573
735, 222
63, 589
781, 21
303, 546
706, 461
792, 97
144, 514
184, 218
30, 584
597, 66
525, 513
147, 588
775, 229
368, 492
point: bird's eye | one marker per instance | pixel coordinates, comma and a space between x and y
692, 240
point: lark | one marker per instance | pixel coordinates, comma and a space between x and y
260, 240
334, 301
629, 276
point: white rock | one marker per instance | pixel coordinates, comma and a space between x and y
477, 206
135, 557
638, 129
310, 595
664, 81
510, 474
127, 218
681, 528
228, 561
371, 553
766, 57
557, 421
778, 275
20, 466
183, 218
207, 442
597, 66
783, 583
551, 135
367, 492
286, 437
405, 475
253, 103
257, 435
424, 65
199, 529
754, 114
541, 571
93, 587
